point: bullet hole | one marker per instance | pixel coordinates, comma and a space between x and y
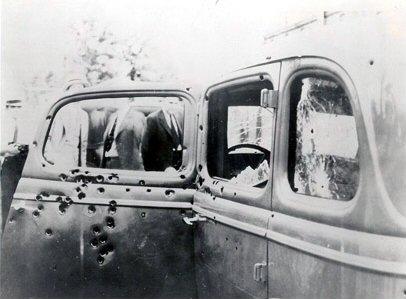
100, 260
96, 230
81, 195
236, 248
48, 117
404, 292
62, 208
148, 190
91, 209
112, 210
142, 182
35, 214
48, 232
86, 171
34, 144
187, 88
77, 189
200, 167
68, 201
110, 222
214, 197
103, 252
113, 179
222, 189
54, 268
43, 165
38, 197
272, 215
100, 190
235, 194
127, 189
226, 238
214, 217
94, 243
182, 176
11, 220
182, 212
73, 171
87, 179
112, 203
110, 247
99, 179
20, 210
371, 62
322, 186
169, 193
59, 199
40, 207
312, 131
261, 77
103, 239
206, 98
84, 186
143, 214
63, 177
201, 127
200, 180
79, 179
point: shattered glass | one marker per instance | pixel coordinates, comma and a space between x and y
326, 156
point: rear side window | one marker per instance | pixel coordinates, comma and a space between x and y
323, 145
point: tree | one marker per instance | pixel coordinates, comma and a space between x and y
100, 55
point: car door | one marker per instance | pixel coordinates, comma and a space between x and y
76, 229
233, 201
333, 234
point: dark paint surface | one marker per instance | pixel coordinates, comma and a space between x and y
295, 274
225, 259
11, 170
146, 253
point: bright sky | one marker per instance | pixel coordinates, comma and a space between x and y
195, 39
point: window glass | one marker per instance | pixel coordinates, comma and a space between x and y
133, 133
240, 135
323, 144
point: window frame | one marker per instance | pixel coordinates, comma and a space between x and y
284, 198
222, 187
294, 154
126, 177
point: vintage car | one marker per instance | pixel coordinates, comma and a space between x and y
291, 182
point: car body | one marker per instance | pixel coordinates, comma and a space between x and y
200, 232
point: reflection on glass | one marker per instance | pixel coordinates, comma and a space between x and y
135, 133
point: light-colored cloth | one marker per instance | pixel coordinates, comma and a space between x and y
68, 137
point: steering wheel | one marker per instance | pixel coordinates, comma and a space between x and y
266, 152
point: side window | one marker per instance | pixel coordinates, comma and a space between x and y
240, 135
132, 133
323, 145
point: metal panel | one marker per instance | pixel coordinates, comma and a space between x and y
92, 250
322, 248
231, 244
101, 233
295, 274
227, 248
